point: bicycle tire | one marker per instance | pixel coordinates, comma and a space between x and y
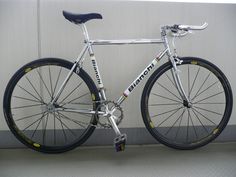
45, 69
155, 124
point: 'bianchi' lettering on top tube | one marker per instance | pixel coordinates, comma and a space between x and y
140, 77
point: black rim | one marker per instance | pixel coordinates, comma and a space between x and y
28, 113
174, 122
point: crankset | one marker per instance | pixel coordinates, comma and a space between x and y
107, 107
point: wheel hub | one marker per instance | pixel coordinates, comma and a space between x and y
187, 104
49, 108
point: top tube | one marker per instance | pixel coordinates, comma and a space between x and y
125, 41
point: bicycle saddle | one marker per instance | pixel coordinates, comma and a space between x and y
81, 18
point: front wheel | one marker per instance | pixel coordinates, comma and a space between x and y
40, 125
187, 126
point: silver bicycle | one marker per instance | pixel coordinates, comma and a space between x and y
52, 105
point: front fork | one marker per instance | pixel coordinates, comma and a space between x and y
175, 73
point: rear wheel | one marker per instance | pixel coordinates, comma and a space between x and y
179, 125
40, 125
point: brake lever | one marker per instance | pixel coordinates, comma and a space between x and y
180, 34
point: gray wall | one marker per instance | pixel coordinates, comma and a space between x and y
20, 27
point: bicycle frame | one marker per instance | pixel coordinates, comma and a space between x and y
88, 48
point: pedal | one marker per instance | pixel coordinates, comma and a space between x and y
119, 142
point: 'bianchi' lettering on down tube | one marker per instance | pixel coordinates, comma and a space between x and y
141, 77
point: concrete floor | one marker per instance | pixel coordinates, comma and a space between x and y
214, 160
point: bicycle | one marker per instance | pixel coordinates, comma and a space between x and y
52, 105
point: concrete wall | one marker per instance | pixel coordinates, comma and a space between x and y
23, 22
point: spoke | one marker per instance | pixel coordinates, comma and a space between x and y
66, 126
175, 121
54, 126
204, 116
169, 91
41, 78
80, 123
193, 124
179, 127
37, 126
208, 97
169, 117
44, 131
32, 123
22, 98
204, 90
210, 103
27, 106
50, 78
75, 99
207, 110
59, 74
188, 82
63, 130
29, 93
202, 84
200, 121
71, 92
166, 112
171, 81
167, 104
194, 81
187, 127
166, 98
26, 117
34, 89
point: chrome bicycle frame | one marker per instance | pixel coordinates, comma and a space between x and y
88, 48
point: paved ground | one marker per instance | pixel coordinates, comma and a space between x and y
214, 160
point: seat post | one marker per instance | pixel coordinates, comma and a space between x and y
85, 31
86, 36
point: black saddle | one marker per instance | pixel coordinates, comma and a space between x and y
81, 18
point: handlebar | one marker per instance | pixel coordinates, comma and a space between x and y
182, 30
176, 28
192, 27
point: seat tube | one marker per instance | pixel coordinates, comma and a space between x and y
94, 64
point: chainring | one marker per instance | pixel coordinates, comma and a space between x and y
105, 107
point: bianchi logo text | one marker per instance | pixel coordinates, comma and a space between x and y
96, 71
137, 81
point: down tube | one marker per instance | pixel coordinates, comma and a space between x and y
138, 80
